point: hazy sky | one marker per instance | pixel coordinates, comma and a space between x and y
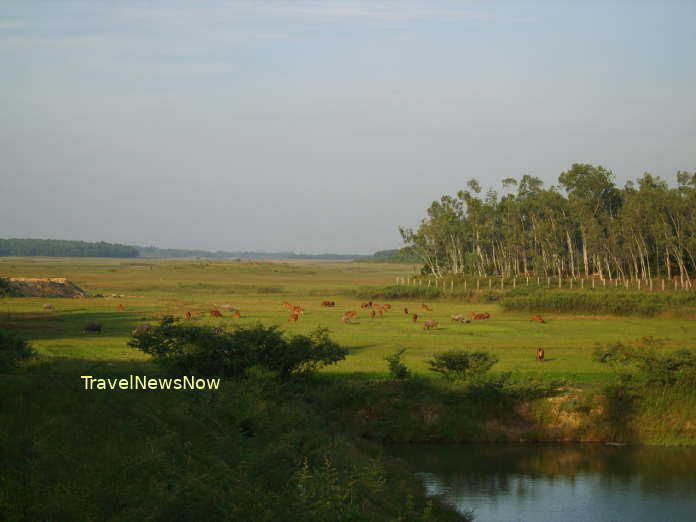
322, 126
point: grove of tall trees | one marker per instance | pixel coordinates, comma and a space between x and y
586, 226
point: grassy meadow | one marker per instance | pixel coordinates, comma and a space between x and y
154, 288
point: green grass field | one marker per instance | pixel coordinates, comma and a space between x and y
153, 288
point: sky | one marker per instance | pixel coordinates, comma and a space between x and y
322, 126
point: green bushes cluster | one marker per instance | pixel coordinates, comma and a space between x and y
205, 351
604, 302
396, 292
397, 369
647, 363
13, 351
461, 365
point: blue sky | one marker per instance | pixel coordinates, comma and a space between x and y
322, 126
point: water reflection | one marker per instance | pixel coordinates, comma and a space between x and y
559, 482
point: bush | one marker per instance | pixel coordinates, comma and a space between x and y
397, 368
596, 301
5, 288
13, 351
189, 349
646, 364
396, 292
459, 365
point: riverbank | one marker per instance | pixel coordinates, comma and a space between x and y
431, 411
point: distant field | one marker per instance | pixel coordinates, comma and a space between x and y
153, 288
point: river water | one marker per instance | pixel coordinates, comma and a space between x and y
566, 483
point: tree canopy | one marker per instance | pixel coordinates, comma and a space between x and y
586, 226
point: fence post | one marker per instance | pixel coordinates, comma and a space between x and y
582, 284
464, 284
501, 282
548, 282
478, 283
560, 282
490, 283
514, 282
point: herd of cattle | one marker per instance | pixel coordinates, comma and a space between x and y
373, 309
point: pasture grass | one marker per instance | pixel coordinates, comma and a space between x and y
154, 288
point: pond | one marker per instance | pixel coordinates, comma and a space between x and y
562, 482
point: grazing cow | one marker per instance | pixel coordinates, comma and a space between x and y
215, 313
141, 329
538, 319
351, 314
373, 313
328, 304
294, 318
386, 307
430, 324
426, 307
48, 307
93, 327
297, 310
414, 317
484, 315
405, 311
365, 305
120, 306
188, 316
287, 306
237, 313
540, 354
458, 318
346, 319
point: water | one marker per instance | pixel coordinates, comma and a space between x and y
567, 483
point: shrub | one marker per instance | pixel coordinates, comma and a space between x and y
460, 365
13, 351
646, 363
397, 368
189, 349
5, 288
396, 292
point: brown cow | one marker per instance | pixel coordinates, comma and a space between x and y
351, 314
294, 318
328, 304
386, 307
414, 317
430, 324
538, 319
237, 313
48, 307
287, 306
188, 316
120, 306
346, 319
458, 318
297, 310
405, 311
540, 354
215, 313
373, 313
426, 307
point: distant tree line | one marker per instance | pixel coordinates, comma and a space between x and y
151, 251
62, 248
585, 226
